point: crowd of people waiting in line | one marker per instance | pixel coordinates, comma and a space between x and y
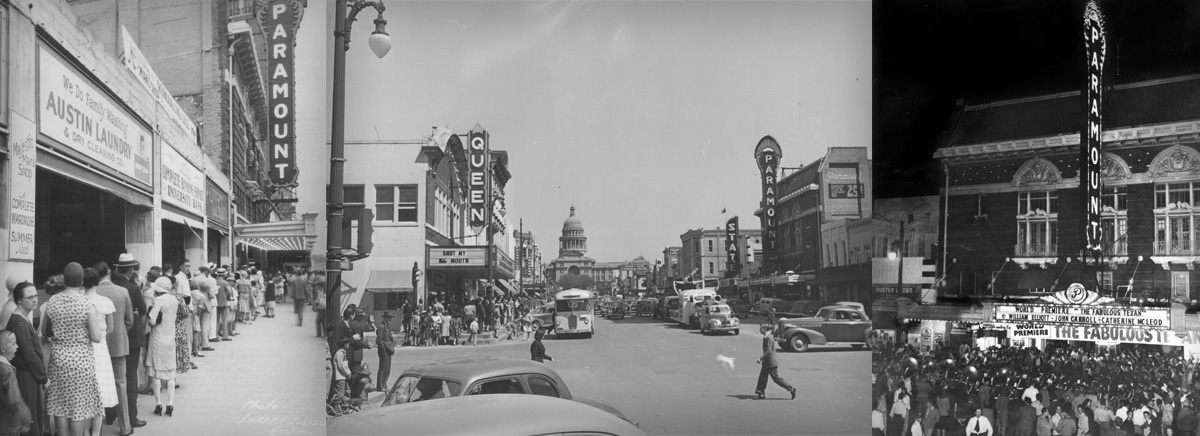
1013, 391
106, 335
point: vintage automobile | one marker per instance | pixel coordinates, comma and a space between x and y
543, 317
831, 325
663, 310
616, 310
644, 308
763, 306
739, 307
718, 317
497, 414
466, 376
802, 309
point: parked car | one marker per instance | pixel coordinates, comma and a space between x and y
830, 325
663, 311
616, 310
780, 306
739, 307
801, 309
467, 376
644, 308
543, 317
763, 305
718, 317
499, 414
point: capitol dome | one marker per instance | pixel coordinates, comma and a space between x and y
573, 239
572, 222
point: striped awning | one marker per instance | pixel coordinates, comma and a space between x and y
297, 235
385, 281
508, 286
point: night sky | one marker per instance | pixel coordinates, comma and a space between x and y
929, 54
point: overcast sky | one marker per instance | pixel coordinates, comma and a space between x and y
644, 115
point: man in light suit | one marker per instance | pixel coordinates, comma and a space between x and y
118, 343
979, 425
770, 366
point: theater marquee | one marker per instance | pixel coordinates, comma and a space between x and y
1083, 316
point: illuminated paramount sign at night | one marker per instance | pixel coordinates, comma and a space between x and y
1089, 150
767, 155
1087, 316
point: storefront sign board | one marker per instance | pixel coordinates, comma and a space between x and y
183, 184
22, 209
81, 117
136, 62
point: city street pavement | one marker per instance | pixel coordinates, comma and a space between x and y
267, 381
669, 380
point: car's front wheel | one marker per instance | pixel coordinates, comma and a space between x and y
537, 325
737, 332
798, 343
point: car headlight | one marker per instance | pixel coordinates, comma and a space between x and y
733, 322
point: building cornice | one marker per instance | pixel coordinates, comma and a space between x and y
1171, 133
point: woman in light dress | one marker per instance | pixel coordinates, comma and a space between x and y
104, 371
161, 361
72, 325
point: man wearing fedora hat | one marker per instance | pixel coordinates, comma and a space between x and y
387, 347
126, 266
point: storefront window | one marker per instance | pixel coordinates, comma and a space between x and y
1175, 223
1037, 224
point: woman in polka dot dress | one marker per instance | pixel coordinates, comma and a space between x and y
72, 393
183, 354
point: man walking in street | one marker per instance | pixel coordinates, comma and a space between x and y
387, 347
126, 267
118, 344
770, 366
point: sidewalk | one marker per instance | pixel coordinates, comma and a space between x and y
267, 381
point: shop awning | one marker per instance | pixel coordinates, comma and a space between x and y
298, 235
508, 286
382, 281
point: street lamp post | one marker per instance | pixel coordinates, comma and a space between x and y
345, 12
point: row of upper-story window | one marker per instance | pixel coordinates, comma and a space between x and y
393, 203
1176, 223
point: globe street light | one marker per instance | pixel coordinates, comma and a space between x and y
345, 12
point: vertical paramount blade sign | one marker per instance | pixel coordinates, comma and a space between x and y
733, 261
1089, 150
767, 155
478, 193
279, 20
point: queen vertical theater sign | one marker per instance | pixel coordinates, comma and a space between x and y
478, 178
1089, 150
279, 20
767, 155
